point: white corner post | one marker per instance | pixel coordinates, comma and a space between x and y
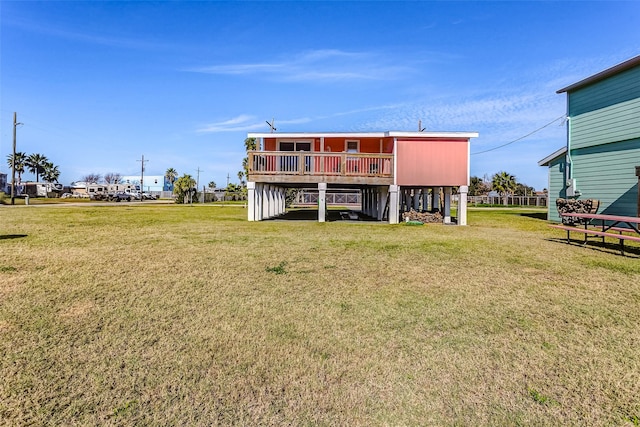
447, 205
394, 205
322, 201
462, 205
251, 201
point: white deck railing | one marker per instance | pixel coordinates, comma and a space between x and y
320, 164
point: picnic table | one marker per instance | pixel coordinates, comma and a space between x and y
604, 226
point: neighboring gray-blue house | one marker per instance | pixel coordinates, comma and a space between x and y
602, 157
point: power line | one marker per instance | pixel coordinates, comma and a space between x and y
522, 137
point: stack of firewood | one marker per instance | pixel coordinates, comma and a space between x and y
423, 217
576, 206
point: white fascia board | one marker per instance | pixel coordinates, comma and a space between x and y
363, 134
433, 134
317, 135
552, 156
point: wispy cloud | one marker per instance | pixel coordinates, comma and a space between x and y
317, 65
246, 122
89, 37
240, 123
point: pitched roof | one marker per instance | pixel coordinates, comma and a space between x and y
552, 156
623, 66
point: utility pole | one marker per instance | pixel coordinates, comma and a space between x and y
13, 163
142, 177
198, 182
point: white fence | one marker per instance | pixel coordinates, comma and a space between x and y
539, 201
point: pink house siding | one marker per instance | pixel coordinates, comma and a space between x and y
394, 172
434, 162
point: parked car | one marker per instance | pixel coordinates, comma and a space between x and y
98, 196
147, 196
118, 197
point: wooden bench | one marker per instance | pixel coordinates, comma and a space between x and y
593, 232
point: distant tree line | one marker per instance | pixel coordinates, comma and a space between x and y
37, 164
108, 178
503, 183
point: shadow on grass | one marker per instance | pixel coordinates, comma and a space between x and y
535, 215
312, 215
608, 247
11, 236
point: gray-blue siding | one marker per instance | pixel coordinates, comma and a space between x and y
619, 122
557, 187
607, 173
622, 87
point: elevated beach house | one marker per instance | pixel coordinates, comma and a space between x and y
394, 171
601, 158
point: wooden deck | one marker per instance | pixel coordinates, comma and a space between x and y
304, 167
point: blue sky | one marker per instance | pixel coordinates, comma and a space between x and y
99, 84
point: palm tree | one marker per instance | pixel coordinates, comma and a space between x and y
504, 183
20, 164
35, 163
171, 174
250, 144
50, 172
212, 185
184, 188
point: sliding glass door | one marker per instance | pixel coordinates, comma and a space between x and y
290, 163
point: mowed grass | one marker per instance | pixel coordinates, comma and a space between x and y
190, 315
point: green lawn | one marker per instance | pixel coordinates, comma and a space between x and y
190, 315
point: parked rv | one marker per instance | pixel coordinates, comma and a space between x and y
39, 189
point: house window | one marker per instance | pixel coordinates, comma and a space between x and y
295, 146
352, 146
352, 162
291, 163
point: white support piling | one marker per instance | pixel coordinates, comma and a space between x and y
322, 201
394, 204
272, 201
435, 198
447, 206
375, 197
462, 205
265, 201
259, 200
363, 201
251, 201
383, 195
425, 199
282, 199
